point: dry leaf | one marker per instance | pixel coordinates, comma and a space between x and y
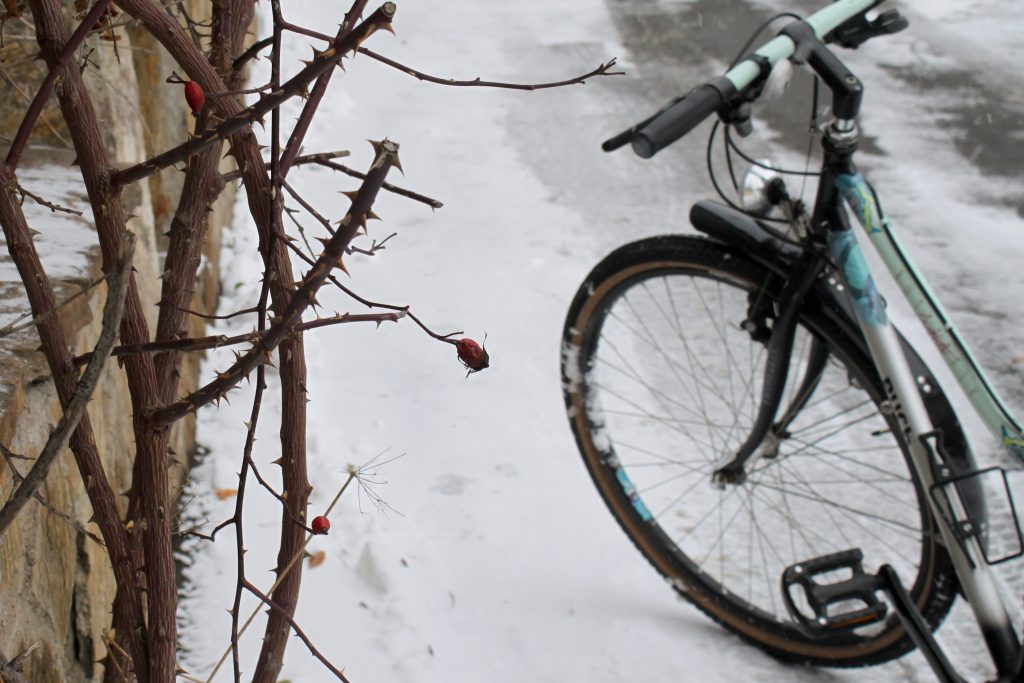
317, 558
224, 494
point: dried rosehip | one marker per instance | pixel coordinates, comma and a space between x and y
194, 96
321, 525
472, 355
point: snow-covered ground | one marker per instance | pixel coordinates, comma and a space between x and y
493, 558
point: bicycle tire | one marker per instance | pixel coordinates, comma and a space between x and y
651, 453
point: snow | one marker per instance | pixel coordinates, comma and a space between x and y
64, 240
489, 556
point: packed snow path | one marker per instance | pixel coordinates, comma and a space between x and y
494, 559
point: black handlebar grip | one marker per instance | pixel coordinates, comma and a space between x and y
681, 117
612, 144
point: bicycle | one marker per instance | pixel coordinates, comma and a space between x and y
755, 422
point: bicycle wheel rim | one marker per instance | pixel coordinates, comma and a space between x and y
599, 424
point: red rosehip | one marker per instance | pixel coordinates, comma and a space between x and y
194, 96
321, 525
472, 355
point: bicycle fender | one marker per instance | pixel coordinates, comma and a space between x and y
754, 241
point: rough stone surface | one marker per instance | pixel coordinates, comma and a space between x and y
56, 587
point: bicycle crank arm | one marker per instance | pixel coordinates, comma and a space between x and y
780, 345
916, 626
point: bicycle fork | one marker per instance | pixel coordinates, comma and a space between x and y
779, 347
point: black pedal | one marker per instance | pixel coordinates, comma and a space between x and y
832, 606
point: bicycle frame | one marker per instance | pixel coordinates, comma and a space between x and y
984, 398
840, 185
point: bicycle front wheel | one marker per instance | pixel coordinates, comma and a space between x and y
662, 371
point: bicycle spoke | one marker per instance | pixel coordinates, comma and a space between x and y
675, 387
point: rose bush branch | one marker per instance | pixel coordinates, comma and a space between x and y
35, 108
127, 610
193, 344
305, 295
238, 120
284, 571
602, 70
112, 311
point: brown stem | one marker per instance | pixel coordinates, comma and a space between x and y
317, 93
238, 120
112, 311
305, 295
304, 159
127, 608
184, 256
603, 70
43, 94
11, 671
334, 166
285, 614
192, 344
151, 482
251, 53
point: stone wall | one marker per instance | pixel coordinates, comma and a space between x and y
55, 583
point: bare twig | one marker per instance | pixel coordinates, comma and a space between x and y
113, 309
219, 340
295, 86
345, 36
50, 205
251, 53
602, 70
43, 94
432, 203
300, 300
11, 671
14, 327
353, 473
373, 304
304, 159
298, 631
10, 457
226, 316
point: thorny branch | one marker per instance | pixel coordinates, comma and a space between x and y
300, 300
138, 545
602, 70
217, 341
112, 312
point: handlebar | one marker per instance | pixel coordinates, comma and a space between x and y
682, 116
685, 113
